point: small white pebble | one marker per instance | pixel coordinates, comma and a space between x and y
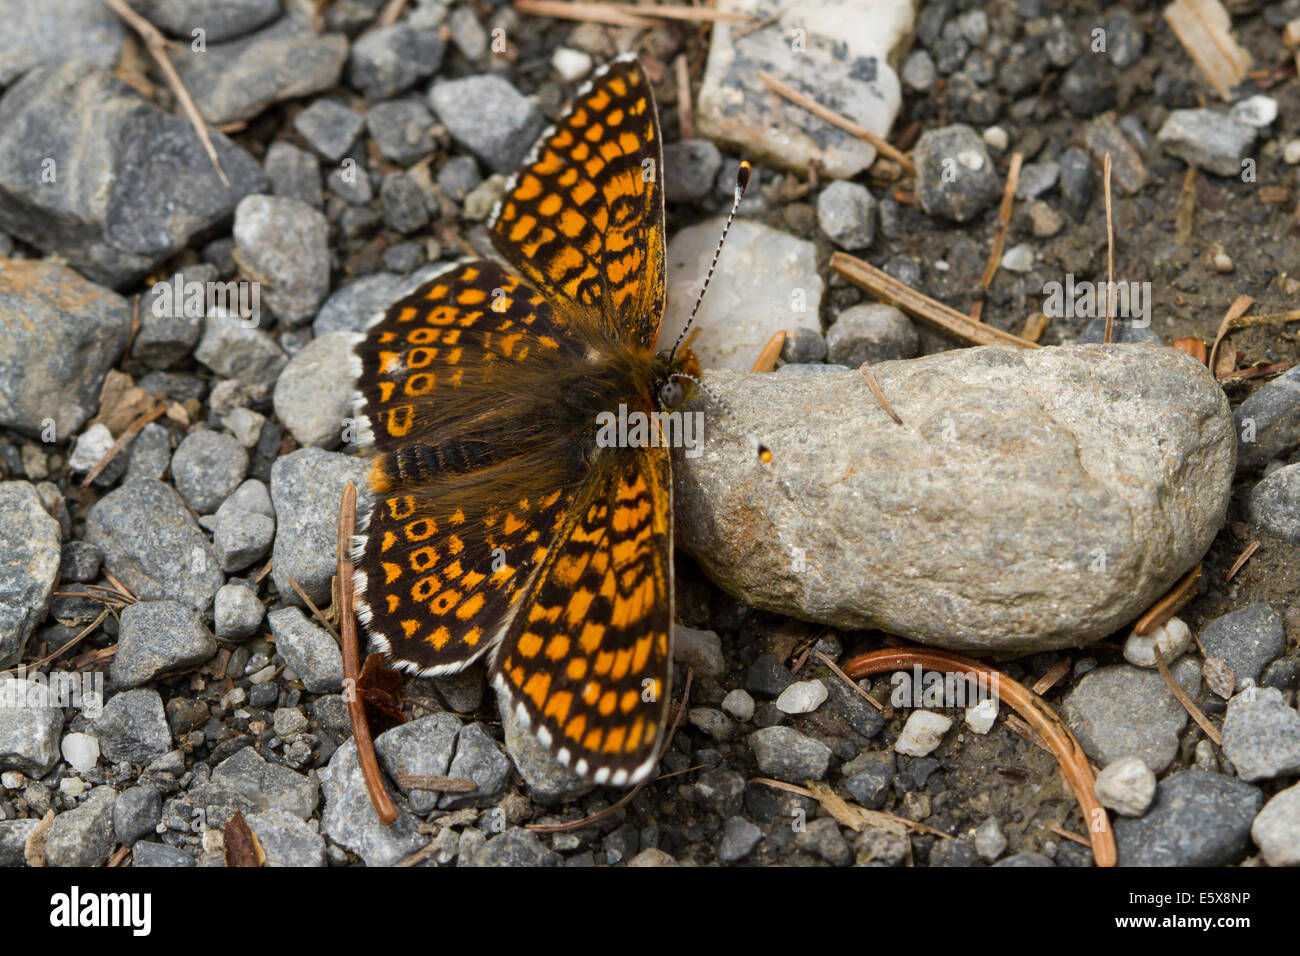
571, 64
262, 676
1291, 152
81, 751
72, 787
1223, 262
802, 697
972, 159
1173, 637
1018, 258
739, 704
90, 448
922, 733
1126, 786
12, 779
1205, 757
1258, 110
990, 841
997, 137
980, 718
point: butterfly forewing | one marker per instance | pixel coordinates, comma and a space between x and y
584, 218
587, 661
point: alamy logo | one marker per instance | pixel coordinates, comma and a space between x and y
74, 909
635, 429
1088, 300
936, 689
177, 297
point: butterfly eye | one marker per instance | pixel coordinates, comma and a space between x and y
671, 393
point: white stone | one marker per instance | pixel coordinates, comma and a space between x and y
72, 787
840, 51
997, 137
1276, 830
1259, 110
802, 697
980, 718
1018, 258
971, 159
571, 64
1126, 786
92, 445
81, 751
12, 779
990, 841
1291, 152
246, 425
1173, 638
766, 282
739, 704
922, 733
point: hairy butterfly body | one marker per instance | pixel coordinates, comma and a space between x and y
499, 526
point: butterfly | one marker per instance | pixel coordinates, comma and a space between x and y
500, 526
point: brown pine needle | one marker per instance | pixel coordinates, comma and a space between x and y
53, 655
1169, 605
1188, 704
435, 784
685, 111
1110, 254
1049, 680
1069, 835
379, 797
1022, 729
123, 440
1069, 755
1235, 312
157, 46
921, 307
1035, 326
835, 669
624, 15
883, 146
1185, 215
878, 392
1000, 235
315, 611
766, 361
1241, 560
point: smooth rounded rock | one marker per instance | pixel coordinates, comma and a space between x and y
1031, 499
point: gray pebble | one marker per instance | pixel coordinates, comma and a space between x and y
402, 130
308, 649
1261, 734
788, 755
690, 168
515, 847
405, 209
1198, 819
207, 467
133, 728
286, 840
1274, 504
489, 117
1247, 639
293, 173
267, 785
955, 176
739, 838
84, 836
846, 212
478, 758
871, 332
136, 813
349, 818
388, 60
424, 747
157, 638
236, 611
286, 243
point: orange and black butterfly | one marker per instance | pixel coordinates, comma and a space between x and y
498, 524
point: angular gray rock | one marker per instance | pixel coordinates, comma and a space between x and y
489, 117
1031, 500
37, 33
767, 281
1268, 422
59, 336
286, 840
235, 348
306, 487
329, 127
422, 747
284, 244
268, 785
207, 467
92, 171
313, 396
151, 542
132, 728
871, 332
388, 60
1198, 819
1123, 711
846, 212
1261, 734
478, 758
1248, 639
157, 638
237, 80
29, 726
1276, 830
1211, 141
549, 781
84, 836
955, 176
236, 612
29, 566
788, 755
308, 649
218, 19
349, 818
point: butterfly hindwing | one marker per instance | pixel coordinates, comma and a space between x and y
587, 661
583, 219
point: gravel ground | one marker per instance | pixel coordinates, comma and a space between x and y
358, 159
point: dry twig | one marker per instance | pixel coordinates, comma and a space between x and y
999, 236
1169, 605
1188, 704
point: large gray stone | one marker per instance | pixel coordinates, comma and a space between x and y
59, 336
92, 171
237, 80
157, 638
152, 544
349, 818
36, 32
29, 566
218, 19
1032, 499
1198, 819
305, 488
1123, 711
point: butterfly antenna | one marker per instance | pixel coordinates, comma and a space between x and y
742, 182
764, 453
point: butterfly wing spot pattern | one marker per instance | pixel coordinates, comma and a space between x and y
497, 528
